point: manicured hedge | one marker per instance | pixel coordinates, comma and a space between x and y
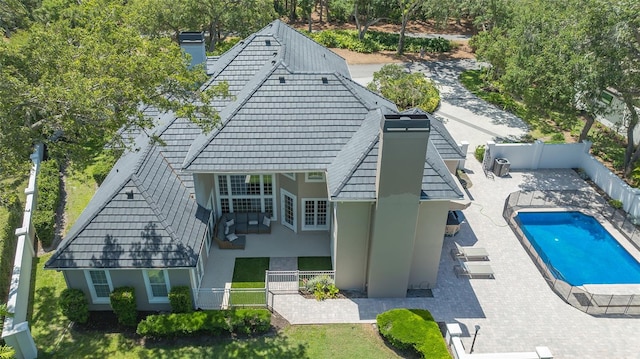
123, 303
413, 329
214, 322
74, 305
180, 299
376, 41
44, 217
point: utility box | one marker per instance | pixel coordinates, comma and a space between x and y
501, 167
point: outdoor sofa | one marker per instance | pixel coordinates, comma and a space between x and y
231, 228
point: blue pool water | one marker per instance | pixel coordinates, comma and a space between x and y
579, 248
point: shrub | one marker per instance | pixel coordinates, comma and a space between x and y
413, 329
214, 322
123, 303
615, 203
180, 299
479, 153
322, 287
376, 40
44, 217
407, 90
74, 305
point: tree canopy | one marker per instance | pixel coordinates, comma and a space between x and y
561, 56
76, 81
406, 90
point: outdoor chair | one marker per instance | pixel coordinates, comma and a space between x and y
469, 253
474, 270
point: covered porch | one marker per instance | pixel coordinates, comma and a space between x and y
281, 242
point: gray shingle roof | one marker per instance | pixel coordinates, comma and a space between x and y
294, 109
141, 216
264, 133
437, 181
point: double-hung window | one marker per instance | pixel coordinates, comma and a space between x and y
100, 286
157, 284
315, 214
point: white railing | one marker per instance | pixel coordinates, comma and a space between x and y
225, 298
292, 281
15, 331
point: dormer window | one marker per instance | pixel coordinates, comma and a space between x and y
267, 42
130, 194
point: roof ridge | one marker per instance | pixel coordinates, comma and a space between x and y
248, 91
357, 164
237, 48
349, 85
67, 241
154, 207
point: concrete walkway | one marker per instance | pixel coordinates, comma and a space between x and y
517, 310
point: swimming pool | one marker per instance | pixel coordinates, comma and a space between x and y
579, 248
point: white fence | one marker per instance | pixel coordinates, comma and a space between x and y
225, 298
292, 281
276, 282
16, 331
539, 155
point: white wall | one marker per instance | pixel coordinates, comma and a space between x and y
538, 155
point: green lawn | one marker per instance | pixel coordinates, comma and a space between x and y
55, 339
80, 187
314, 263
249, 272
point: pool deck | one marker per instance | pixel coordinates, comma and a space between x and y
517, 310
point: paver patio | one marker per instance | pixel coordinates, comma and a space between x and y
517, 310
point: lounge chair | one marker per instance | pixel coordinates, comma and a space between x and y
469, 253
474, 270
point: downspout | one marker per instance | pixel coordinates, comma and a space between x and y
366, 263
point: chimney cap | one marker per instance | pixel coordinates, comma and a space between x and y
191, 36
406, 123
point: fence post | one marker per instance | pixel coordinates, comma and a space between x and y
266, 287
464, 147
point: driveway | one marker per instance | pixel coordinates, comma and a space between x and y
467, 117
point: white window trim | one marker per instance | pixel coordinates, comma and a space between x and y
219, 197
94, 297
290, 175
306, 227
294, 226
147, 284
307, 179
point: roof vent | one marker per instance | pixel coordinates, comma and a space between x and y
275, 53
325, 80
267, 42
130, 194
281, 79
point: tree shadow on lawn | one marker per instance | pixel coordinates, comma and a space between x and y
276, 346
